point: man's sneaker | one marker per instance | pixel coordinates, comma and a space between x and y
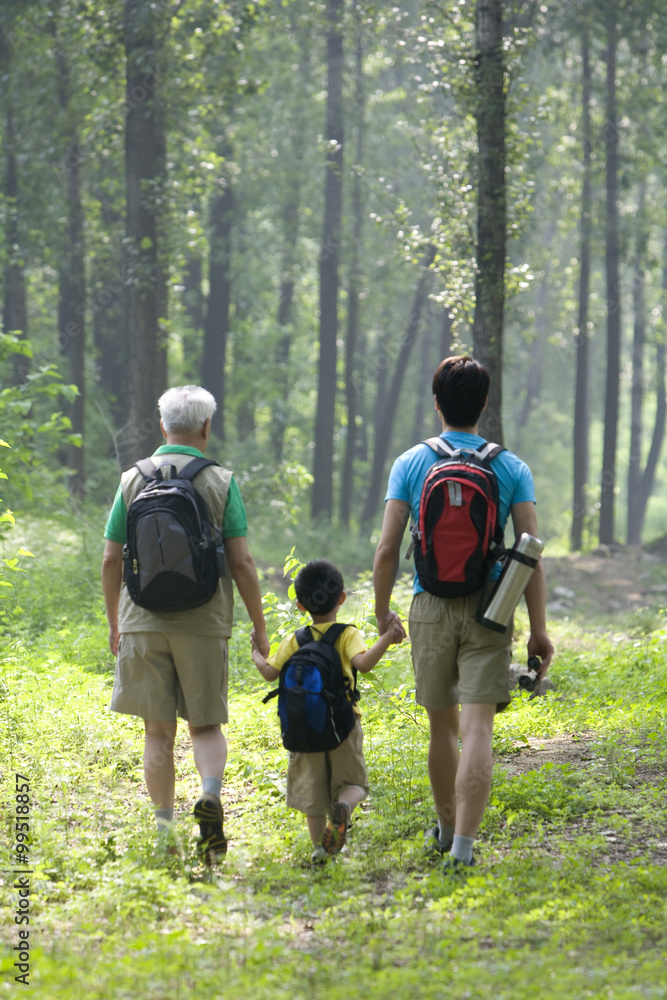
333, 838
432, 843
319, 855
212, 841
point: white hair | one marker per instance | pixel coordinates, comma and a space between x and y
185, 408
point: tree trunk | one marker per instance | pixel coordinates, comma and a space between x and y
633, 532
15, 312
581, 416
143, 161
353, 294
216, 326
71, 269
387, 411
322, 495
534, 377
648, 476
491, 207
291, 218
608, 479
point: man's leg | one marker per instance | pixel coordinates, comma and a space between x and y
473, 779
159, 762
209, 747
443, 764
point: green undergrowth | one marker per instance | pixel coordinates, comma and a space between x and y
549, 903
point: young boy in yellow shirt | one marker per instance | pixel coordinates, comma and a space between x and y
327, 786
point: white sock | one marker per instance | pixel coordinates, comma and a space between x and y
462, 848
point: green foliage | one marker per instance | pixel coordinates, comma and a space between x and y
36, 429
569, 854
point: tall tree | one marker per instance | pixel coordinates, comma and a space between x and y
491, 206
354, 289
71, 265
322, 494
218, 313
581, 391
608, 479
15, 310
144, 162
633, 531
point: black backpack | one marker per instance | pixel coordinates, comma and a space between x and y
313, 705
173, 556
458, 536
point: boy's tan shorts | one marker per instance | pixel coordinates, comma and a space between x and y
162, 674
315, 779
456, 660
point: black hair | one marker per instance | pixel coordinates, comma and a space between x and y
461, 387
318, 586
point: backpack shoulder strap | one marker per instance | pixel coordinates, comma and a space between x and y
147, 468
190, 470
303, 635
333, 632
489, 450
442, 447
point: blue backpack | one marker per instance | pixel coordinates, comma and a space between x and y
314, 709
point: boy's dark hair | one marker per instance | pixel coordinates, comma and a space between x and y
461, 387
318, 586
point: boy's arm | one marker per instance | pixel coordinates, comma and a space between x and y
268, 672
364, 662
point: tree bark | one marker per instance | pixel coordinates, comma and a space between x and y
608, 478
657, 438
581, 389
288, 264
216, 326
15, 312
353, 294
322, 494
491, 207
143, 163
387, 411
633, 530
71, 269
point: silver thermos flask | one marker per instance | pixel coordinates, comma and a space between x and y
517, 571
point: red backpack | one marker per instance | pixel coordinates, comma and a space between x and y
458, 536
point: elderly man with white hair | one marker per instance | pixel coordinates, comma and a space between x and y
175, 663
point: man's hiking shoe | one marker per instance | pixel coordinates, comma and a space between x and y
333, 838
432, 843
212, 841
319, 856
454, 867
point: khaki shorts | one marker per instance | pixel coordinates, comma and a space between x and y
160, 675
315, 779
456, 660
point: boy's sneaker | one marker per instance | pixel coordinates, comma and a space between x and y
319, 855
432, 843
212, 841
333, 838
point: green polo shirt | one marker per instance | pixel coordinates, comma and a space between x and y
234, 523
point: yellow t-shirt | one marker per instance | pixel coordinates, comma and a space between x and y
348, 645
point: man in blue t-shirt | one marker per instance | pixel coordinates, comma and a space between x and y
461, 667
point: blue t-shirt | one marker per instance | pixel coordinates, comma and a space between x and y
515, 480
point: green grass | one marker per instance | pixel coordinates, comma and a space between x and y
568, 900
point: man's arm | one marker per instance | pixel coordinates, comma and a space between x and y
112, 577
244, 574
524, 518
385, 566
